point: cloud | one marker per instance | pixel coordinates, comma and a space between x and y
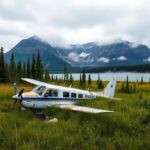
133, 45
73, 56
83, 55
122, 58
74, 21
103, 60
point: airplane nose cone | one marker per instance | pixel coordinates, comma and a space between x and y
15, 97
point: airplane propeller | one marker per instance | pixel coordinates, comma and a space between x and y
15, 88
19, 95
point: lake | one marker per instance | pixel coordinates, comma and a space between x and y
121, 76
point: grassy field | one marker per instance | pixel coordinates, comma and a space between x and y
128, 128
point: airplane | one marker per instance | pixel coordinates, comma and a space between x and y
48, 95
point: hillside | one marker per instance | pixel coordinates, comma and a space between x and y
90, 55
25, 48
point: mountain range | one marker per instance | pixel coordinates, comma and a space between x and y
93, 54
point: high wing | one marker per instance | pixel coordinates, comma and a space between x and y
108, 92
35, 82
84, 109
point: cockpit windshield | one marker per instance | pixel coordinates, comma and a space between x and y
40, 90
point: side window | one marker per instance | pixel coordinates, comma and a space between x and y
73, 95
65, 94
51, 93
87, 96
80, 96
40, 90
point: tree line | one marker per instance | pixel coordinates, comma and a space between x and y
13, 71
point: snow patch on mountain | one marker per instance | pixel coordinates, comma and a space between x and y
73, 56
133, 45
122, 58
83, 54
103, 60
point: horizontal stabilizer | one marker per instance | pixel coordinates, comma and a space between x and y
83, 109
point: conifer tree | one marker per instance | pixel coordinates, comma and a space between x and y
33, 67
47, 77
24, 69
12, 69
80, 83
83, 78
101, 86
19, 70
2, 66
71, 79
89, 80
127, 85
52, 77
7, 72
65, 73
99, 83
56, 79
141, 80
98, 79
39, 67
28, 69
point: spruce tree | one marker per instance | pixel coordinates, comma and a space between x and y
99, 83
19, 70
2, 66
142, 80
127, 85
39, 67
56, 79
98, 78
80, 83
89, 80
100, 86
7, 72
65, 73
33, 67
24, 69
28, 69
47, 77
52, 77
12, 69
71, 79
83, 78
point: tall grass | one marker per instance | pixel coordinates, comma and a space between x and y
127, 128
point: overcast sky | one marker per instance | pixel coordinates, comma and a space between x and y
63, 22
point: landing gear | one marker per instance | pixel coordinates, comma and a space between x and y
39, 114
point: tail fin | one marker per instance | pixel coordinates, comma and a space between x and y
110, 88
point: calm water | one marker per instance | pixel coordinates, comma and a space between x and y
121, 76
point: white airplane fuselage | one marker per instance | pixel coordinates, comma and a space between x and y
62, 96
46, 95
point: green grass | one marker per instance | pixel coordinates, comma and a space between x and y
128, 128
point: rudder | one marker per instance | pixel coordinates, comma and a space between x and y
110, 88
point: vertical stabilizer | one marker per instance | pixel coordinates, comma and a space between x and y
110, 88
